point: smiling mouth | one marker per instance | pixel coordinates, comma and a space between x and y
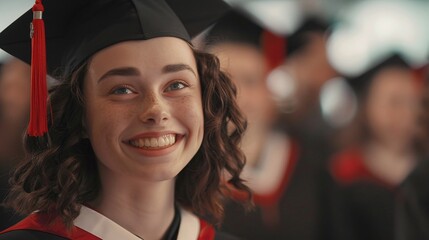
154, 143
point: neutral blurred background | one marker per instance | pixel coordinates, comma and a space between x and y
336, 96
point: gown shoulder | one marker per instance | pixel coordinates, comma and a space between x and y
225, 236
29, 235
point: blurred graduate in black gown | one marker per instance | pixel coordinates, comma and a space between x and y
285, 201
306, 70
360, 203
412, 202
14, 108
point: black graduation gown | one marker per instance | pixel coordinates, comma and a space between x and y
286, 213
412, 205
357, 205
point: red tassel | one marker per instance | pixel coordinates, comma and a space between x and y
38, 115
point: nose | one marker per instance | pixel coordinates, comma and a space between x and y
154, 110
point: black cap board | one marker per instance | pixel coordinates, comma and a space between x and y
361, 83
65, 33
76, 29
298, 40
235, 27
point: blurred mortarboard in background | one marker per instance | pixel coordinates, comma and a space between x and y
299, 39
235, 27
361, 83
285, 25
76, 29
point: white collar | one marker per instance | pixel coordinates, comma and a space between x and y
274, 161
106, 229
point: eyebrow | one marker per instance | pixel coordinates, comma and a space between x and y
172, 68
125, 71
131, 71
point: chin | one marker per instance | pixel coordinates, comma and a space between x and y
162, 176
162, 172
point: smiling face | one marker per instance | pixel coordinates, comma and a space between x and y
144, 114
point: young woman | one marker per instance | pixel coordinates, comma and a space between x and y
143, 126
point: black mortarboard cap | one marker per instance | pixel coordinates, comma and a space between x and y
235, 27
298, 40
76, 29
361, 83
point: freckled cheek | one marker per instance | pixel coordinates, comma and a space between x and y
191, 113
104, 121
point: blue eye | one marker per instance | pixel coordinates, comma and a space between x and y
122, 91
175, 86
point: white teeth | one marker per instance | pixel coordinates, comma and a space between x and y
160, 142
154, 142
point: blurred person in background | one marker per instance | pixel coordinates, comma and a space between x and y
15, 103
307, 69
284, 204
412, 202
14, 109
360, 202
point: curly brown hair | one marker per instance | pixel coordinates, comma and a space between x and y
60, 171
